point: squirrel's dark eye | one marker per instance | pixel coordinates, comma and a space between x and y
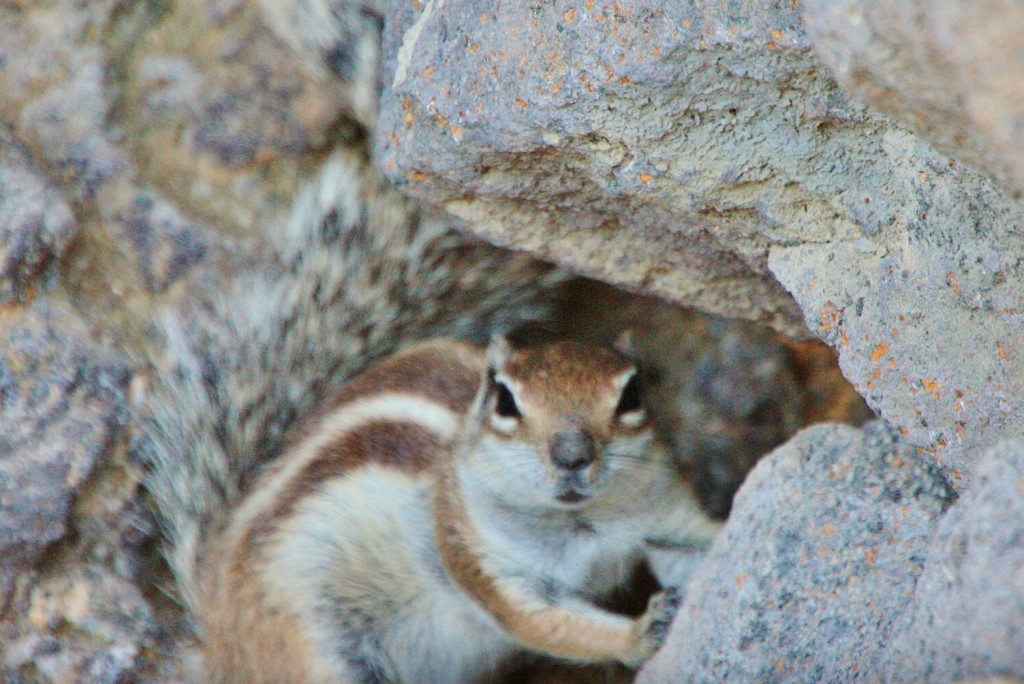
506, 406
630, 399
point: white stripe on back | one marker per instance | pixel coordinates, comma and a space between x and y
399, 407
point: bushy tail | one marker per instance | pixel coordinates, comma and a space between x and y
363, 271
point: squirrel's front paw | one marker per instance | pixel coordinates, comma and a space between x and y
652, 627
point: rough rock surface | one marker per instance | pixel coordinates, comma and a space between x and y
174, 131
62, 404
597, 134
695, 150
36, 223
817, 561
109, 617
965, 620
950, 70
708, 153
141, 145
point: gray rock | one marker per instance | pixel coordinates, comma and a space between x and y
967, 618
166, 244
168, 84
239, 125
221, 117
62, 403
66, 116
87, 626
818, 559
926, 316
67, 121
701, 152
950, 70
36, 224
641, 142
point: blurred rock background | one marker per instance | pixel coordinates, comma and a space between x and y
844, 171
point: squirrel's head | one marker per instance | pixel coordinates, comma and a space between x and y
554, 424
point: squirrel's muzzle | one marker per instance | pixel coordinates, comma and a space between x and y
573, 448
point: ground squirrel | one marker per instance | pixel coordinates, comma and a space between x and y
361, 271
447, 510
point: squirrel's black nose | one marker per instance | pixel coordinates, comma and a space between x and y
573, 448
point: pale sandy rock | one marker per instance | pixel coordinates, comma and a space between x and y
950, 70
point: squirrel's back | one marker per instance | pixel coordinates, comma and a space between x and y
336, 535
360, 271
445, 514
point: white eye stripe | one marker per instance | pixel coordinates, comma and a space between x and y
503, 424
623, 379
633, 418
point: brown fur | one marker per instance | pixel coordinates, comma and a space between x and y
359, 271
403, 446
447, 371
459, 550
252, 636
273, 649
550, 369
544, 372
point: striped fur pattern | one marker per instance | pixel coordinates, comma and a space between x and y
362, 270
421, 528
338, 41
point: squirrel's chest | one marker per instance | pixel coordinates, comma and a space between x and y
576, 553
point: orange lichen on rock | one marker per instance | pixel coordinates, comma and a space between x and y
829, 316
953, 283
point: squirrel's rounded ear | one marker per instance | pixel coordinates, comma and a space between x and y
625, 345
498, 352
